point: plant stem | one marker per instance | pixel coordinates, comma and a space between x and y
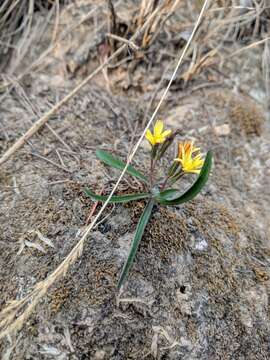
171, 173
177, 178
165, 183
152, 164
151, 172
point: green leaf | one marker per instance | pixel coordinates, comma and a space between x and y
135, 243
193, 190
116, 198
110, 160
169, 194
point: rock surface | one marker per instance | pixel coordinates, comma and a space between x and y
199, 287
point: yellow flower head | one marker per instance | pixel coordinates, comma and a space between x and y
190, 163
159, 136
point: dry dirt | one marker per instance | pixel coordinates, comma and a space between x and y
199, 288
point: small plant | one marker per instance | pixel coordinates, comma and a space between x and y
188, 160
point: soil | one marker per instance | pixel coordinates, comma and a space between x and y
199, 287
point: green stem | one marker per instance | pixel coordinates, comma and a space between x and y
165, 183
152, 164
171, 172
151, 173
176, 178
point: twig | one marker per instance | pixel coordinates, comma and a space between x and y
56, 24
15, 187
112, 22
248, 47
58, 137
51, 162
9, 187
93, 208
105, 217
60, 158
127, 42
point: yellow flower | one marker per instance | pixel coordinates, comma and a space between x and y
190, 163
159, 136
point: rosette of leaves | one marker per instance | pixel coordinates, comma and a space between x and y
159, 194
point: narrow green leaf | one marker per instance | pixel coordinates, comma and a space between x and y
110, 160
116, 198
193, 190
169, 194
135, 243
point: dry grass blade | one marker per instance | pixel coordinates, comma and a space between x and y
165, 9
56, 25
14, 315
197, 66
250, 46
17, 19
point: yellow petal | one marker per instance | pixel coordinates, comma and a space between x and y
166, 133
149, 136
194, 171
198, 156
195, 150
158, 128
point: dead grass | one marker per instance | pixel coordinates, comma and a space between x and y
17, 18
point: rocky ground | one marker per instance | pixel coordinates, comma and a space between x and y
199, 287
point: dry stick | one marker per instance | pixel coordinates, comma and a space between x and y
51, 162
57, 16
113, 17
10, 312
20, 142
127, 42
256, 43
